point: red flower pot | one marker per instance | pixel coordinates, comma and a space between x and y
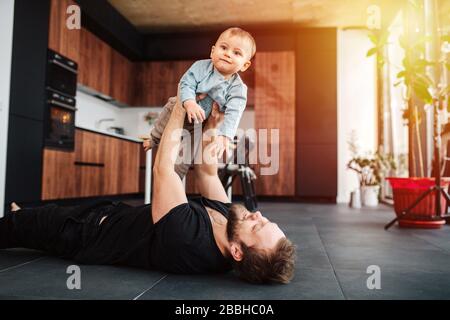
406, 191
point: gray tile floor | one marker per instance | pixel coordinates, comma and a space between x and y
336, 245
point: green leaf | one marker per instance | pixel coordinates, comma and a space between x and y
401, 74
384, 37
424, 63
373, 38
371, 52
419, 82
424, 80
407, 82
404, 61
422, 93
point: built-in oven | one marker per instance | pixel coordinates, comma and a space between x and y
60, 121
61, 88
61, 73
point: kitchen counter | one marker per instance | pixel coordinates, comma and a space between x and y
105, 132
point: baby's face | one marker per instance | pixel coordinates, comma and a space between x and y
231, 54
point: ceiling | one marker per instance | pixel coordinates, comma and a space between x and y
151, 16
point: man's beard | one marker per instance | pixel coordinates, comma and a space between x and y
232, 225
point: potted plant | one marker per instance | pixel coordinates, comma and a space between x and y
368, 172
424, 88
372, 169
150, 117
369, 178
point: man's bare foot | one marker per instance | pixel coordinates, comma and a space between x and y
15, 207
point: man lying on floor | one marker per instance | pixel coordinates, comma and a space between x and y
176, 235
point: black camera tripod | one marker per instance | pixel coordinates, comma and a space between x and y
245, 173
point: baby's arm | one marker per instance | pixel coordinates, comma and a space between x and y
188, 87
234, 108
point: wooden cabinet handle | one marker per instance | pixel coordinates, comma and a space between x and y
89, 164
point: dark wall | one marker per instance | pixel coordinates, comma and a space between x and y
102, 19
27, 95
190, 46
316, 114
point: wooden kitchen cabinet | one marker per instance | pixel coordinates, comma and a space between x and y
89, 163
275, 109
95, 63
61, 39
63, 178
89, 148
128, 167
121, 166
89, 180
248, 77
122, 82
58, 175
112, 165
142, 165
158, 80
100, 165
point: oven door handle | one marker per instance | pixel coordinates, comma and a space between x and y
63, 105
63, 66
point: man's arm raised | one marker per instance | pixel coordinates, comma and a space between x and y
168, 190
206, 177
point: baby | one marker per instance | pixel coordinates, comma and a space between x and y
208, 81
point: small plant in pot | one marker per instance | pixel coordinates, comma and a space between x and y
369, 179
150, 117
371, 170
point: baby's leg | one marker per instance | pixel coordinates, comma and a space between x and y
161, 122
188, 149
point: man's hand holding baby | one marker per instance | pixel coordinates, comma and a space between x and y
221, 143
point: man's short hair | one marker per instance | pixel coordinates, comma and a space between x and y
235, 31
258, 266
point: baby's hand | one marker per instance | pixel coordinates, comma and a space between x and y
194, 111
146, 145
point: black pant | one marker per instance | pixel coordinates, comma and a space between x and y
57, 230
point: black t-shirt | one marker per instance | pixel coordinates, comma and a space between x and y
180, 242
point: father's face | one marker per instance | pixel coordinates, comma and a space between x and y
253, 229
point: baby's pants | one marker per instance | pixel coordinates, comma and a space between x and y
190, 141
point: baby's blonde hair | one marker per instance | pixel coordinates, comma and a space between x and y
235, 31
